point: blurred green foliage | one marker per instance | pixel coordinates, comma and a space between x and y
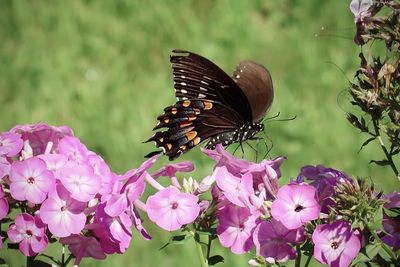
102, 67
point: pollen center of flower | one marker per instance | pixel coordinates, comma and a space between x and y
241, 227
63, 208
29, 232
334, 245
298, 208
174, 205
30, 180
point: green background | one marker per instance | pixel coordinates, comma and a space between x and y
102, 67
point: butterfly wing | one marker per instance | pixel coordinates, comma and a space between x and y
209, 103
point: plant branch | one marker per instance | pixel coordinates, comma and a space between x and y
298, 259
199, 250
387, 154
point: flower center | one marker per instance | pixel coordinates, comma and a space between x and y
174, 205
63, 208
334, 245
29, 232
30, 180
241, 227
298, 208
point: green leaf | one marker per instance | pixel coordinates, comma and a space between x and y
366, 143
215, 260
177, 240
380, 162
382, 252
39, 263
208, 232
367, 253
376, 224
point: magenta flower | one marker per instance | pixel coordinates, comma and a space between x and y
273, 241
30, 180
3, 204
42, 137
170, 209
55, 162
63, 214
117, 229
235, 228
360, 8
170, 170
295, 204
83, 246
81, 182
391, 225
336, 244
10, 144
30, 233
5, 167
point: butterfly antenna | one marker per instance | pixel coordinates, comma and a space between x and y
271, 118
323, 33
288, 119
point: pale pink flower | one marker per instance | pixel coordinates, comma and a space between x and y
10, 144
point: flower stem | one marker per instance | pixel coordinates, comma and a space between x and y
308, 260
200, 250
298, 259
387, 154
29, 261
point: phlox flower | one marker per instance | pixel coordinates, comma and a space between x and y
83, 246
236, 189
30, 233
73, 148
62, 213
10, 144
42, 138
30, 180
360, 8
235, 228
391, 225
273, 241
5, 167
114, 229
336, 244
81, 182
295, 204
3, 204
170, 208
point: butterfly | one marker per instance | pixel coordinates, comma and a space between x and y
211, 106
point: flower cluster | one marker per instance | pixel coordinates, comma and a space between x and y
63, 190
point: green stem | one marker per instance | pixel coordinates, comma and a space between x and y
29, 261
209, 247
298, 259
387, 154
308, 260
63, 256
200, 250
388, 250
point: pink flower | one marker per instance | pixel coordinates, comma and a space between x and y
83, 246
336, 244
30, 180
235, 228
42, 137
73, 148
3, 204
81, 182
295, 205
5, 167
63, 214
170, 170
30, 233
273, 239
10, 144
170, 209
236, 190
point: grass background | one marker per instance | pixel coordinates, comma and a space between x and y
102, 67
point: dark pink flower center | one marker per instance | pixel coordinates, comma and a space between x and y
298, 208
30, 180
241, 227
174, 205
29, 232
63, 208
334, 245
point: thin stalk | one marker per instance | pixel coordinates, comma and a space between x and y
308, 260
63, 256
29, 261
199, 250
298, 259
387, 154
388, 250
209, 247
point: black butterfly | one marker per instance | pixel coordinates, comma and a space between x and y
212, 106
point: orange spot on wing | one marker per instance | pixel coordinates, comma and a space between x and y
174, 110
184, 124
169, 146
191, 135
207, 105
183, 148
191, 118
161, 139
186, 103
196, 141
